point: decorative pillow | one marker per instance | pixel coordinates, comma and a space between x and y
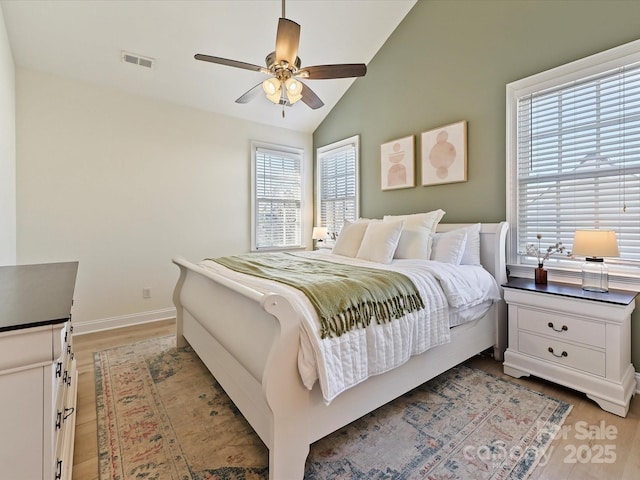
415, 240
380, 241
471, 255
414, 243
448, 247
350, 238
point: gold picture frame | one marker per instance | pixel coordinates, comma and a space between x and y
444, 154
397, 164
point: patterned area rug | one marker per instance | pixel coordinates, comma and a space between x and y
162, 416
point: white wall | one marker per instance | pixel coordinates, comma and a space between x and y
7, 150
123, 183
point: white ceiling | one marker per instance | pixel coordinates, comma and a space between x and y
84, 40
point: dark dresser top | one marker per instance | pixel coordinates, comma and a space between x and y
35, 295
619, 297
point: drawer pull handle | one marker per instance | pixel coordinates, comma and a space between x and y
563, 329
563, 354
68, 412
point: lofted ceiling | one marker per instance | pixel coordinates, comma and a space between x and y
83, 39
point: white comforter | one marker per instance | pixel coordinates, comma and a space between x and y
342, 362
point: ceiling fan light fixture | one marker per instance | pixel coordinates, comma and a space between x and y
294, 90
272, 89
283, 64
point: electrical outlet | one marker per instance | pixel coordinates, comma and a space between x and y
146, 292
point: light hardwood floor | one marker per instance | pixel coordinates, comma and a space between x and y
593, 444
85, 456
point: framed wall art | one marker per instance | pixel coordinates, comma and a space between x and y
397, 164
444, 154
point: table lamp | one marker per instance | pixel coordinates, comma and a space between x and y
594, 245
319, 234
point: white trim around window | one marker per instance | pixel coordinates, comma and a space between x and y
338, 184
573, 160
277, 197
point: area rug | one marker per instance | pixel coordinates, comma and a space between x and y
162, 416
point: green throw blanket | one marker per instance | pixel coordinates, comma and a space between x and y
346, 297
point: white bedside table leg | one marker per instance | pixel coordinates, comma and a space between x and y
514, 372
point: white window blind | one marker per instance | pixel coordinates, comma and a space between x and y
337, 192
578, 160
277, 198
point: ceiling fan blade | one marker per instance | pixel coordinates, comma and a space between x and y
230, 63
250, 94
343, 70
287, 41
310, 98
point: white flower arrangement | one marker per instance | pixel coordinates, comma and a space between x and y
535, 251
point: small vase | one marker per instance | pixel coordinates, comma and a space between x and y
540, 275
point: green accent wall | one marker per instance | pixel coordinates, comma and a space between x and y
451, 60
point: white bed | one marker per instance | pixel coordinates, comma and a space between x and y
249, 339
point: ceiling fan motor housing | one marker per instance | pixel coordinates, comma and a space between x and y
274, 67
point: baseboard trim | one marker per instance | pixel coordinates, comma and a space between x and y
92, 326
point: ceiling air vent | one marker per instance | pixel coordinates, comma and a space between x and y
137, 59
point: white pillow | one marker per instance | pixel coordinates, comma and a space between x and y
429, 220
414, 243
471, 255
380, 241
350, 238
448, 247
415, 240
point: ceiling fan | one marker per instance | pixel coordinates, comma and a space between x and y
283, 66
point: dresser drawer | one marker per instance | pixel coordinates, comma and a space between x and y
562, 327
38, 346
562, 353
66, 434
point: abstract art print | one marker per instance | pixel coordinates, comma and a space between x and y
397, 162
444, 154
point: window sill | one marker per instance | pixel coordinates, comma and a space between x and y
622, 279
299, 248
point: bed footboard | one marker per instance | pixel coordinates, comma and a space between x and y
249, 341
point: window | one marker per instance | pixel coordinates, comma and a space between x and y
337, 185
573, 154
277, 197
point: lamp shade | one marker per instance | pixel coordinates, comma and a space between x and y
319, 233
294, 90
272, 89
595, 243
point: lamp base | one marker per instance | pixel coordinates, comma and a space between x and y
595, 275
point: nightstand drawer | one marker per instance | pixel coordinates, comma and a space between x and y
562, 327
562, 353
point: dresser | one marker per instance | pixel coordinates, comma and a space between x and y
576, 338
37, 371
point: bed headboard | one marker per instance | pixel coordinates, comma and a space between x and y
492, 246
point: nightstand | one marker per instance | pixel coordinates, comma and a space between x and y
576, 338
